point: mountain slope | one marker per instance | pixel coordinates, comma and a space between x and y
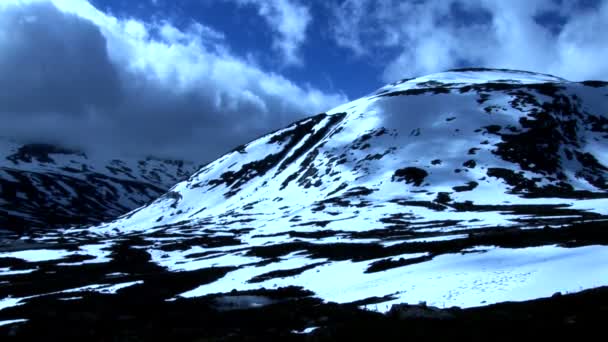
46, 186
464, 188
409, 141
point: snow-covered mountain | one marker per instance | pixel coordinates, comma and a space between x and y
47, 186
467, 187
447, 138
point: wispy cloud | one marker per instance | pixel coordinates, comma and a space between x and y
289, 20
559, 37
75, 75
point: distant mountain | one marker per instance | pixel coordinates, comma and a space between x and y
463, 188
47, 186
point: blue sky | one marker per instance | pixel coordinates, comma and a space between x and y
323, 64
331, 65
194, 78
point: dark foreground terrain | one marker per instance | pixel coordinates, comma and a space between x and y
129, 317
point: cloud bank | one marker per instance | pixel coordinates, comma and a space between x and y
561, 37
74, 75
77, 76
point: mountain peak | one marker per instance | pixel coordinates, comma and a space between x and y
467, 76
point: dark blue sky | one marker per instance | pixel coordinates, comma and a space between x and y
332, 65
326, 66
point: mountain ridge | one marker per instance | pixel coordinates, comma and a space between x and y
47, 186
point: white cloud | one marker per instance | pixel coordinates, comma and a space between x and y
138, 87
289, 19
350, 20
583, 45
431, 36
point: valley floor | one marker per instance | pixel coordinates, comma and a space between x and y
116, 290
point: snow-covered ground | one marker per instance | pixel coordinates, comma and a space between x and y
463, 280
